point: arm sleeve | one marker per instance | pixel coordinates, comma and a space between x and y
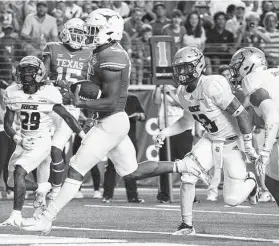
220, 93
55, 95
114, 60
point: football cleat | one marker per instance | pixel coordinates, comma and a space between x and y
107, 200
184, 229
212, 197
254, 195
54, 192
40, 224
15, 219
40, 198
265, 196
136, 200
79, 195
97, 194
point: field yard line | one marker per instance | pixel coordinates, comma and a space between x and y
175, 209
168, 233
177, 206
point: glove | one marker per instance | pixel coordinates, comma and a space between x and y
261, 162
89, 123
63, 84
248, 148
25, 143
159, 140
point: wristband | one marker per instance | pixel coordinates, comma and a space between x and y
247, 137
17, 139
82, 134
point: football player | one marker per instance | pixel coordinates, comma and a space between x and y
32, 102
248, 67
210, 101
110, 68
66, 62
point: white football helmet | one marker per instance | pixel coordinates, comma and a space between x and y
245, 61
30, 73
74, 33
188, 64
104, 26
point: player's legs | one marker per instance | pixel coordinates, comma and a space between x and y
238, 184
202, 153
273, 187
62, 134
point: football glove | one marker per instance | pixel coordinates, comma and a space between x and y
159, 140
25, 143
261, 162
249, 149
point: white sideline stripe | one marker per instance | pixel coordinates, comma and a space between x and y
11, 239
239, 206
175, 209
168, 233
176, 206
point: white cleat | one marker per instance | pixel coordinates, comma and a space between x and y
15, 219
265, 196
40, 197
212, 197
79, 195
184, 229
40, 224
54, 192
97, 195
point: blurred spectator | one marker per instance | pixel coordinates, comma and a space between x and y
60, 6
105, 4
175, 29
233, 25
148, 14
141, 57
72, 10
16, 8
38, 29
251, 34
267, 6
30, 7
271, 49
7, 16
161, 18
11, 51
186, 7
87, 8
180, 144
195, 34
61, 19
225, 71
219, 42
136, 113
202, 7
230, 12
126, 43
121, 8
133, 24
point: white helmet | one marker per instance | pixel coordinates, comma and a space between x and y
188, 64
30, 73
104, 26
73, 33
245, 61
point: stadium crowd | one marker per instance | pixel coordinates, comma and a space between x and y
218, 28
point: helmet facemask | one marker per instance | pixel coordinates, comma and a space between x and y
92, 39
76, 38
185, 73
27, 74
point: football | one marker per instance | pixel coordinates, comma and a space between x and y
88, 90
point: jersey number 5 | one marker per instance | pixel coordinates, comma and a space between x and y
30, 121
67, 75
209, 125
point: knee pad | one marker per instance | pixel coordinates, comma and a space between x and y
74, 174
58, 167
231, 201
187, 178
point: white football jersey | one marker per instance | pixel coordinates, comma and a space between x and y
267, 79
35, 110
207, 104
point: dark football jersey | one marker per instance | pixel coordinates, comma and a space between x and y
111, 58
65, 64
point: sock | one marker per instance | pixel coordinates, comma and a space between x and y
187, 196
66, 194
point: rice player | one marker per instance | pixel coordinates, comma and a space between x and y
110, 68
210, 101
248, 68
33, 103
66, 62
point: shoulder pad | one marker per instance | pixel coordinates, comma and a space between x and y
114, 58
252, 82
